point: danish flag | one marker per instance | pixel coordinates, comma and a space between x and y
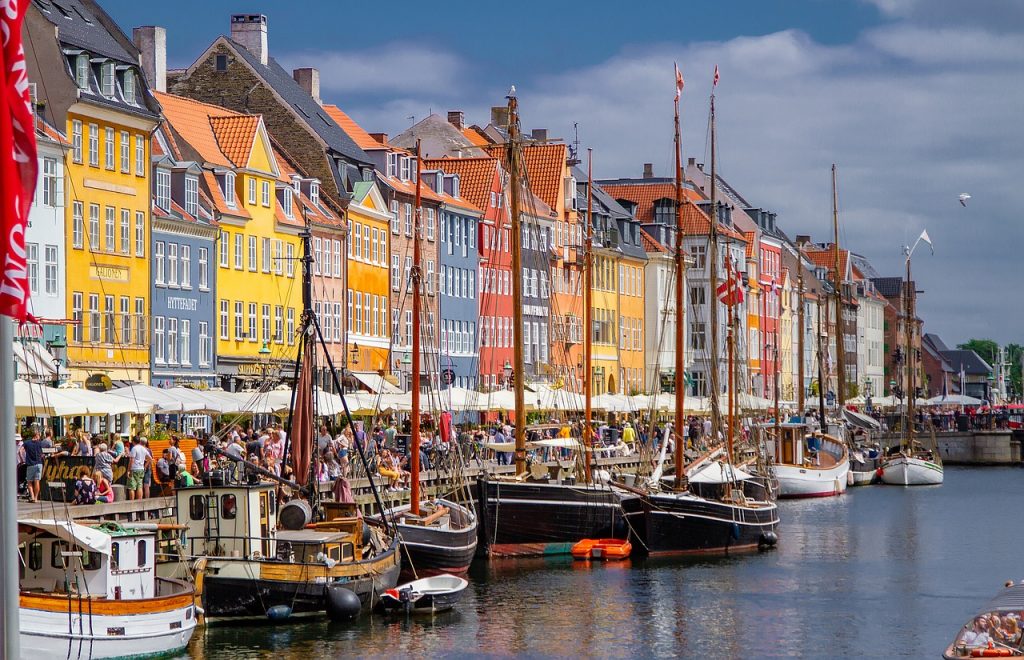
730, 291
679, 82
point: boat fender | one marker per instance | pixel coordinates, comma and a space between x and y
279, 613
342, 604
768, 539
366, 535
880, 472
735, 531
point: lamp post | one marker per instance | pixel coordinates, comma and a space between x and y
507, 370
58, 349
407, 366
264, 354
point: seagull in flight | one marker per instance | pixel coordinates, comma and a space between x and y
963, 199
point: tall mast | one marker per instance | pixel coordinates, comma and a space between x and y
680, 418
822, 320
910, 358
588, 316
800, 335
514, 169
716, 415
838, 284
414, 444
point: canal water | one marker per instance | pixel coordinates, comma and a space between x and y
882, 571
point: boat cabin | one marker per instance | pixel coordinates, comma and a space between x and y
315, 546
796, 445
105, 561
236, 520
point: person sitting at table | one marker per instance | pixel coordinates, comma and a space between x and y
104, 491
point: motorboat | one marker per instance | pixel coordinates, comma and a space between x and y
425, 596
994, 631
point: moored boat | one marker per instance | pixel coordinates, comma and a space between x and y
807, 464
92, 591
425, 596
441, 539
602, 549
994, 631
921, 469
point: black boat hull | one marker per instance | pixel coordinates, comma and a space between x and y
666, 524
524, 519
428, 551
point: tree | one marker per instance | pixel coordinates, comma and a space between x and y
987, 349
1014, 353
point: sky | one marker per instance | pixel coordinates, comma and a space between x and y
915, 101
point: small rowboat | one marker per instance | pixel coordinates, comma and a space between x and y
425, 596
607, 549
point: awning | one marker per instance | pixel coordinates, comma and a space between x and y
88, 538
719, 473
375, 382
861, 421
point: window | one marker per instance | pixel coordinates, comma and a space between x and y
265, 317
172, 264
407, 215
183, 353
265, 193
699, 255
228, 507
252, 189
317, 248
32, 257
126, 231
204, 344
158, 263
336, 257
140, 321
142, 556
225, 243
278, 324
406, 168
252, 254
697, 296
239, 327
94, 145
186, 267
50, 275
220, 64
192, 195
126, 158
252, 322
223, 319
265, 244
396, 271
77, 225
140, 234
395, 224
697, 336
314, 193
229, 189
172, 340
107, 79
204, 269
408, 272
53, 185
108, 148
82, 70
76, 140
158, 339
163, 181
140, 163
430, 276
129, 87
108, 230
238, 251
366, 243
76, 316
126, 320
430, 224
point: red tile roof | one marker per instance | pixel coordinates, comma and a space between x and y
545, 169
651, 245
826, 257
695, 221
476, 176
477, 138
354, 130
315, 214
192, 121
236, 135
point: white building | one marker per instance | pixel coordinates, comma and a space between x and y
45, 237
659, 314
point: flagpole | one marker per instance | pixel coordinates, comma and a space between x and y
9, 629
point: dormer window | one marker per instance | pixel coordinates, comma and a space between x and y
163, 189
439, 183
392, 164
229, 189
314, 193
192, 195
664, 211
406, 167
129, 87
297, 184
82, 71
107, 79
287, 203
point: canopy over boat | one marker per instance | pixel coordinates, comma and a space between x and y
89, 538
861, 421
717, 472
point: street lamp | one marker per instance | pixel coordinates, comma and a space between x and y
507, 369
58, 349
264, 354
355, 354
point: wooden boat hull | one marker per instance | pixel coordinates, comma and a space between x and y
112, 629
807, 481
665, 524
906, 471
238, 588
428, 551
523, 519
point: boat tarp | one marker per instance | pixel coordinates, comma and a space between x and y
1010, 598
558, 443
88, 538
861, 420
717, 472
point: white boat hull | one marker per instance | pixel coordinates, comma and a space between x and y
46, 634
807, 481
861, 478
905, 471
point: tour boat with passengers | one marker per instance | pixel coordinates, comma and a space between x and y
91, 591
995, 631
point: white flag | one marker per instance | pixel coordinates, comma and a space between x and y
927, 239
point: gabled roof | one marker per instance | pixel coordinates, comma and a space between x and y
440, 138
890, 287
476, 176
935, 341
82, 23
545, 168
826, 258
235, 135
308, 110
475, 137
316, 214
352, 129
644, 193
46, 132
192, 121
969, 361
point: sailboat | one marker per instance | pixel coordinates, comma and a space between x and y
439, 536
259, 559
913, 464
523, 515
679, 521
811, 463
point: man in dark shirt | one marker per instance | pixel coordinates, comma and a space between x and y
34, 464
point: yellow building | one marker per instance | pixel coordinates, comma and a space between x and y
631, 316
87, 82
368, 283
259, 276
605, 334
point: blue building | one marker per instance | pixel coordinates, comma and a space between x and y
458, 352
183, 290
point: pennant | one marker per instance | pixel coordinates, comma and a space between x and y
715, 83
18, 169
927, 239
679, 82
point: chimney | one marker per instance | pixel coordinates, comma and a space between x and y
152, 44
380, 137
803, 239
648, 170
691, 161
457, 119
539, 134
499, 116
250, 32
309, 80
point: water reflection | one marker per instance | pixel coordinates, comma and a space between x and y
881, 571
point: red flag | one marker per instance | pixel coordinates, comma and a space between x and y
18, 170
679, 82
715, 83
730, 291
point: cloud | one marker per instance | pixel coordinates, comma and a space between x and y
386, 69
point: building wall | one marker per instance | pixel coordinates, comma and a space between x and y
368, 351
45, 242
605, 316
183, 317
495, 288
329, 295
632, 325
536, 257
659, 302
458, 331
